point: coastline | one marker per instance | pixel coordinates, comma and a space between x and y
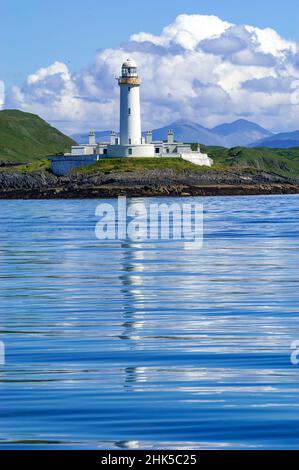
146, 191
143, 184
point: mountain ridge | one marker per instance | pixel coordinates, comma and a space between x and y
280, 140
240, 132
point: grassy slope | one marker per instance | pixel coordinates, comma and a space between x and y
26, 137
37, 166
284, 162
138, 164
120, 165
224, 159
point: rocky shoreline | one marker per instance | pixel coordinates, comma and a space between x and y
16, 185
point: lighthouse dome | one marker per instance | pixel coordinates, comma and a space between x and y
129, 63
129, 69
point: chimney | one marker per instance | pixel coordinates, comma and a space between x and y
112, 138
170, 137
149, 137
92, 138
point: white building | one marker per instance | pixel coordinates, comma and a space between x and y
129, 142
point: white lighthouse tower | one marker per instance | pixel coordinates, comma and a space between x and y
130, 142
130, 122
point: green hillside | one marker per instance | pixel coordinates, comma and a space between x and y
284, 162
26, 137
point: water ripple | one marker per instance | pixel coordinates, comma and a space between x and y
147, 345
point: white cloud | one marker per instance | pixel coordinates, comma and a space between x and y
199, 68
269, 41
186, 31
270, 85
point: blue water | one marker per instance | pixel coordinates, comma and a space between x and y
132, 345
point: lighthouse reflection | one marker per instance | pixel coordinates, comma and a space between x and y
133, 267
133, 295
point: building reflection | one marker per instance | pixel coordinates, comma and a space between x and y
133, 290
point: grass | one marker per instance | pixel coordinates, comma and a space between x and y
123, 165
25, 137
38, 166
276, 161
283, 162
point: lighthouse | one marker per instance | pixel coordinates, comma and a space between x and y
129, 142
130, 122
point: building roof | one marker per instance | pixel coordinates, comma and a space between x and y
129, 63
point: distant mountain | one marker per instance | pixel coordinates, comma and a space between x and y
25, 137
281, 140
241, 132
188, 131
184, 131
238, 133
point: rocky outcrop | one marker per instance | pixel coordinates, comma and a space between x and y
143, 183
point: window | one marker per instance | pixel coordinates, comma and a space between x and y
129, 71
130, 151
157, 150
130, 141
105, 151
129, 111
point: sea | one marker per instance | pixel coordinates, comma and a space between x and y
127, 344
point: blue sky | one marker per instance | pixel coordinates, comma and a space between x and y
209, 61
35, 33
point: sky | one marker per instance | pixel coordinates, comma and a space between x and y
58, 59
